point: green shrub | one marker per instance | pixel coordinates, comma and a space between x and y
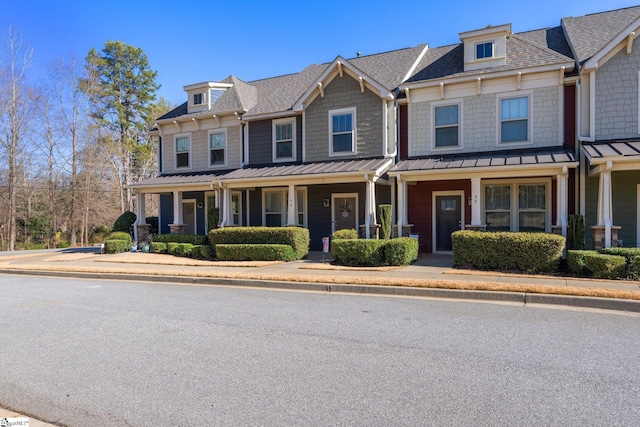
194, 239
576, 262
116, 246
195, 252
252, 252
358, 252
575, 232
297, 238
630, 255
158, 248
184, 249
384, 212
124, 222
507, 251
401, 251
606, 266
120, 235
172, 248
346, 233
206, 252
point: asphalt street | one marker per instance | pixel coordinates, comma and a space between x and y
101, 353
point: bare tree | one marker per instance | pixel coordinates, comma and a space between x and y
15, 60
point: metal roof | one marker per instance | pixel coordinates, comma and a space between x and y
180, 179
377, 166
604, 150
506, 158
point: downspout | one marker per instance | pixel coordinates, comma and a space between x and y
386, 127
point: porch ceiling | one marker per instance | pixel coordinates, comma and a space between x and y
490, 161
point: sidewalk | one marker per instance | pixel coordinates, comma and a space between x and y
430, 276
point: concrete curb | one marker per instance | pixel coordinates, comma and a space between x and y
495, 296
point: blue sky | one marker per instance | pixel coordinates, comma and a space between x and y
191, 41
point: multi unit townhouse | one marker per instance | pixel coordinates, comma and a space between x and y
502, 131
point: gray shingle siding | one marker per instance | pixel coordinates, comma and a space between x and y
344, 92
617, 96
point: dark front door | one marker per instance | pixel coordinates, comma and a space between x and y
448, 220
345, 212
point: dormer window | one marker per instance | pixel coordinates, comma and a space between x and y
197, 99
484, 50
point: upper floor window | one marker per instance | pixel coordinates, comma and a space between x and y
342, 132
484, 50
284, 142
514, 119
197, 99
183, 151
447, 126
217, 146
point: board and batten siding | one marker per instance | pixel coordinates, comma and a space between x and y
344, 92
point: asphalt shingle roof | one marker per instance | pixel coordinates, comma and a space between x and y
522, 52
551, 38
590, 33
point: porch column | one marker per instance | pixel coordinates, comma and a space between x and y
226, 207
606, 204
563, 199
401, 205
177, 208
367, 208
141, 229
476, 213
292, 203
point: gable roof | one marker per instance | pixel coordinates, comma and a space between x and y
522, 52
589, 34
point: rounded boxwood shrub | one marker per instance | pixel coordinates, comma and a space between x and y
206, 252
358, 252
576, 262
116, 246
120, 235
347, 233
158, 248
401, 251
606, 266
632, 259
296, 237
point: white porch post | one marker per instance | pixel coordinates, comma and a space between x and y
140, 213
476, 214
367, 208
177, 207
226, 207
563, 199
401, 205
606, 204
292, 203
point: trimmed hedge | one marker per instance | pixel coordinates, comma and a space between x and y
158, 248
632, 260
120, 235
252, 252
606, 266
172, 248
358, 252
116, 246
194, 239
206, 252
576, 262
507, 251
346, 233
297, 238
401, 251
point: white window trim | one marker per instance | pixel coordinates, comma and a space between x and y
445, 103
514, 226
486, 58
175, 151
203, 96
284, 202
294, 142
354, 141
211, 132
509, 95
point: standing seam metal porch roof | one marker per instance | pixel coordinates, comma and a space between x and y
180, 179
306, 169
604, 150
506, 158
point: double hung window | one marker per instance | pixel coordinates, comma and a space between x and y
183, 151
217, 145
284, 142
342, 131
514, 119
447, 126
